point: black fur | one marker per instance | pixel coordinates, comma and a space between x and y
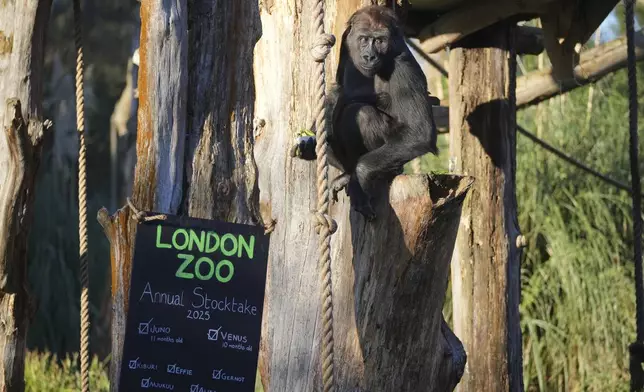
381, 110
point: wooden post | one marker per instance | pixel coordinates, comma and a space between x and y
485, 266
22, 33
158, 181
248, 90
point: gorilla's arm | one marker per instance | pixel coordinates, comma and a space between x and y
412, 104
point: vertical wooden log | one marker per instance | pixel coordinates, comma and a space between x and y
158, 181
22, 40
485, 266
199, 127
290, 352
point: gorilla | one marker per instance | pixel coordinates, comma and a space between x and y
381, 111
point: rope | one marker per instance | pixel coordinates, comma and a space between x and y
637, 379
140, 216
573, 161
82, 202
324, 224
635, 174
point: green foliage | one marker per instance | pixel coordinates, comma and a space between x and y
577, 278
44, 373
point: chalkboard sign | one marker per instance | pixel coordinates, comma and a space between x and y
195, 306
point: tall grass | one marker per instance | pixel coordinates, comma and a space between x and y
577, 303
45, 373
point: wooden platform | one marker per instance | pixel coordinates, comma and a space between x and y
566, 24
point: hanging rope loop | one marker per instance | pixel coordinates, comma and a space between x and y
322, 47
82, 201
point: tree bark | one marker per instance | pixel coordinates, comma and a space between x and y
248, 90
158, 181
485, 266
22, 40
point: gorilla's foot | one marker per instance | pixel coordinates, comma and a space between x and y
338, 184
360, 201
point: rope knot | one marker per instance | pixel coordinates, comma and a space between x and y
323, 220
322, 47
141, 216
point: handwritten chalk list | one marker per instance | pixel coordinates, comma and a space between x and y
195, 306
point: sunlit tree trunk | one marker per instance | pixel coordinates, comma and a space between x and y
22, 40
485, 265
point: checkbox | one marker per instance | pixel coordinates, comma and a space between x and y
145, 382
133, 363
194, 388
213, 334
216, 374
144, 328
171, 368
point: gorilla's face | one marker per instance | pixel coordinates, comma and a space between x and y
369, 47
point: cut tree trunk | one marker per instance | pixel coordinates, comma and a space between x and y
248, 90
22, 33
485, 266
390, 278
123, 158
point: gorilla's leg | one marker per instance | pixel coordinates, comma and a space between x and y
388, 161
369, 127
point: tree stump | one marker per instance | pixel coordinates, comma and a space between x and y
390, 278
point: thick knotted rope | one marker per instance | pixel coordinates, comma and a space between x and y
323, 222
322, 47
82, 202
